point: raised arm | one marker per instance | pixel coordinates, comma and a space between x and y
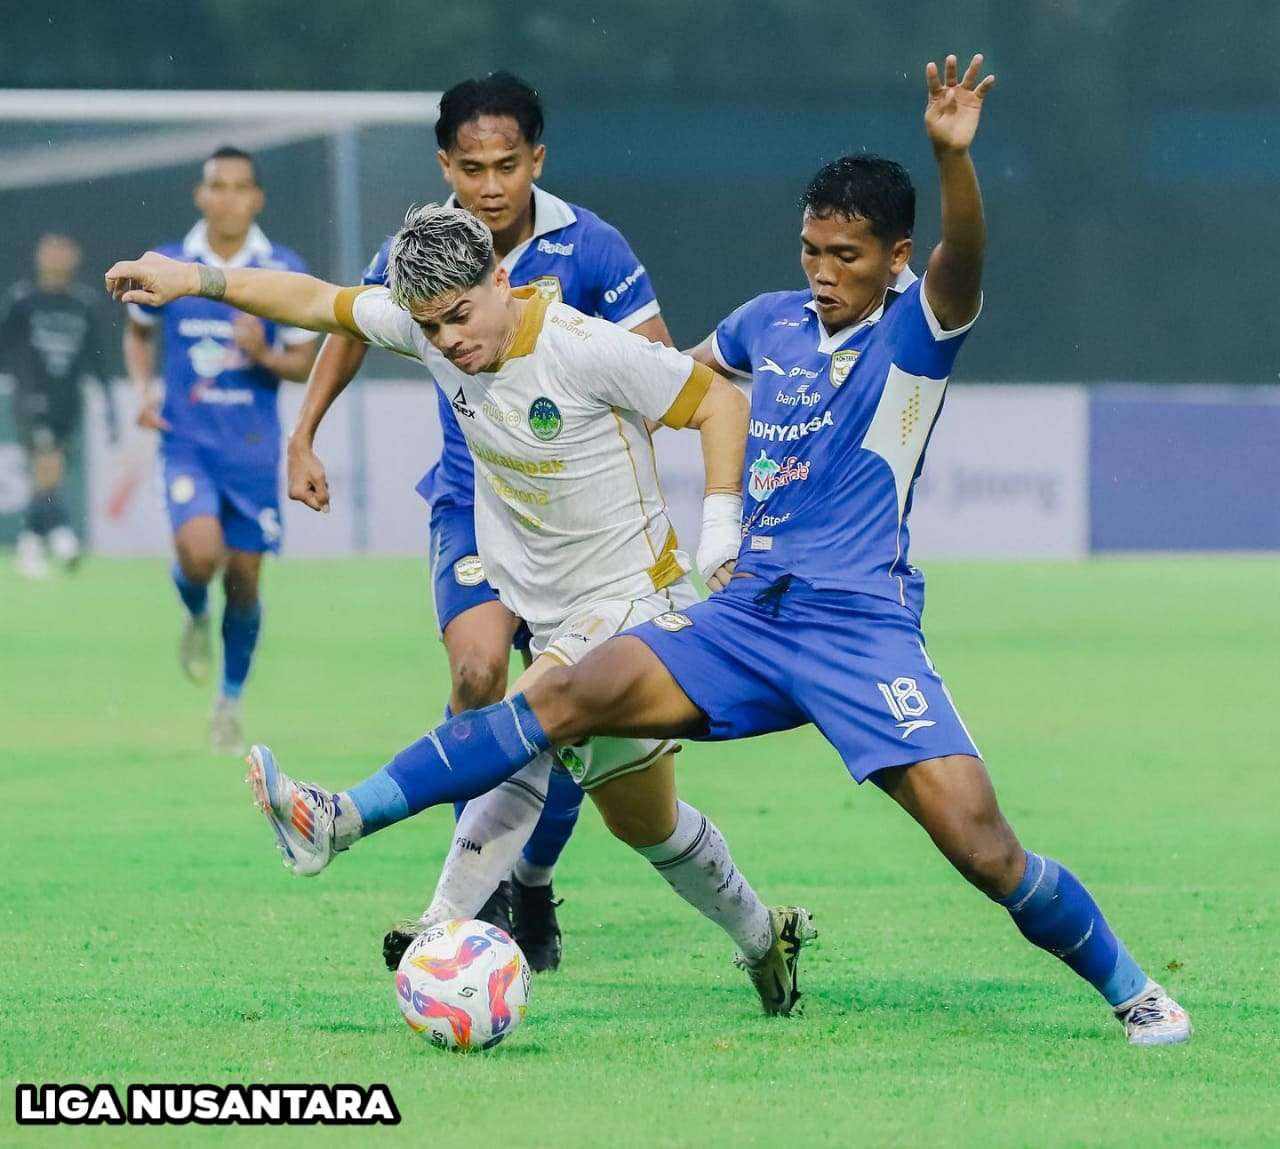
282, 296
953, 285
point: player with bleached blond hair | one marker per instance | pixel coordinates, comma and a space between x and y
573, 532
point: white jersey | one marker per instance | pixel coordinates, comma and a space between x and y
569, 510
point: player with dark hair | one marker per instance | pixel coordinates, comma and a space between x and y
489, 132
50, 340
821, 620
219, 427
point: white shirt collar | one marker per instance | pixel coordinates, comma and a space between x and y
196, 246
829, 342
550, 213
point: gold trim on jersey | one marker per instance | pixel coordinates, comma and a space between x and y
535, 311
667, 569
344, 310
691, 394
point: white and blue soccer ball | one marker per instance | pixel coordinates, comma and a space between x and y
463, 985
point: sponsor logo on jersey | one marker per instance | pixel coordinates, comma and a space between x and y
774, 520
802, 397
771, 366
468, 571
194, 328
790, 432
544, 419
507, 492
548, 286
524, 466
573, 326
766, 475
787, 323
498, 415
841, 364
182, 489
459, 404
673, 620
208, 357
621, 289
550, 247
206, 391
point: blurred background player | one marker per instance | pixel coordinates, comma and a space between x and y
219, 428
50, 340
488, 134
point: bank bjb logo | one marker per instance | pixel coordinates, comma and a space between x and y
544, 419
841, 364
547, 287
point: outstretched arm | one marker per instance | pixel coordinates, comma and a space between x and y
282, 296
953, 285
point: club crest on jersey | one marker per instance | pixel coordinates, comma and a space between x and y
544, 419
841, 364
468, 571
548, 286
673, 620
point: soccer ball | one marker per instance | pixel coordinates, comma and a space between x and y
463, 985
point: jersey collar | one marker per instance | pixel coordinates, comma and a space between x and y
196, 246
530, 328
829, 343
550, 213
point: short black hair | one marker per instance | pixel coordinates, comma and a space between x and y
865, 187
228, 152
497, 94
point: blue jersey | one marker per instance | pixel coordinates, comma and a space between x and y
839, 426
572, 256
216, 398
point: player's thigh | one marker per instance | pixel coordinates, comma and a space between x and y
863, 677
199, 545
193, 505
241, 575
953, 800
47, 466
639, 806
478, 643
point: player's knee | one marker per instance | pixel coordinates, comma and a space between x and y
992, 860
561, 698
637, 828
479, 679
198, 564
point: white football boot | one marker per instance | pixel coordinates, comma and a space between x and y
64, 546
1154, 1018
225, 733
775, 975
194, 649
29, 556
301, 815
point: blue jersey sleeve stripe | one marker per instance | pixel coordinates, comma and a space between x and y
641, 314
720, 358
936, 329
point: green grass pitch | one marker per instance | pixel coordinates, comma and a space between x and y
1129, 713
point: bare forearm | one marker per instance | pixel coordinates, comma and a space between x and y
336, 365
722, 423
291, 363
287, 297
139, 356
955, 267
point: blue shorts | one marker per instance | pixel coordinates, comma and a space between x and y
852, 664
246, 501
458, 581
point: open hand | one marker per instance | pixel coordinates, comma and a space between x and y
951, 115
153, 280
149, 416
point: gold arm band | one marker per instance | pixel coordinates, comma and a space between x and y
691, 394
344, 310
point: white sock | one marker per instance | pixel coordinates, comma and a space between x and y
487, 841
527, 874
695, 862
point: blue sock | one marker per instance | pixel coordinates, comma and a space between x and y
466, 757
240, 627
461, 803
556, 822
194, 595
1055, 912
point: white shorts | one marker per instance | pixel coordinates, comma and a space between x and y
600, 759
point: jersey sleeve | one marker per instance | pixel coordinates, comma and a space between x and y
376, 271
369, 314
730, 342
627, 371
623, 291
143, 314
920, 345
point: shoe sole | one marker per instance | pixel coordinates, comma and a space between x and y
261, 778
1162, 1039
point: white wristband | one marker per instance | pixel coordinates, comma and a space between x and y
721, 532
